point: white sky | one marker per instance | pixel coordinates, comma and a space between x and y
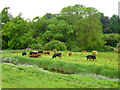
33, 8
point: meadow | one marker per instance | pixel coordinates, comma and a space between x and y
65, 72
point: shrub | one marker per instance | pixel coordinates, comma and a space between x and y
55, 44
10, 60
107, 48
36, 46
111, 39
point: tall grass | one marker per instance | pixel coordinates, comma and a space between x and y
68, 67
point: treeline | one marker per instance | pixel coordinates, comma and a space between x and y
75, 28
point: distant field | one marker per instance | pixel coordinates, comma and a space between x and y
106, 64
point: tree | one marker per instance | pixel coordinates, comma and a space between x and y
17, 34
111, 39
106, 24
38, 26
114, 24
89, 30
5, 15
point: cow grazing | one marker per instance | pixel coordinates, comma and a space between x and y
94, 52
39, 54
54, 50
31, 55
56, 54
24, 53
33, 52
40, 51
70, 53
35, 55
91, 57
84, 51
47, 52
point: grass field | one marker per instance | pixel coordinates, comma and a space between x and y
29, 77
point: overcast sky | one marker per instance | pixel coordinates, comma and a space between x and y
33, 8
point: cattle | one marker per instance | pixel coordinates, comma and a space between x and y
40, 51
70, 53
84, 51
94, 52
24, 53
35, 55
47, 52
54, 50
56, 54
91, 57
31, 55
39, 54
33, 52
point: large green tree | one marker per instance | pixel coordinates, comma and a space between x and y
17, 34
87, 26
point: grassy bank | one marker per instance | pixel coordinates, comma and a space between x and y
65, 67
30, 77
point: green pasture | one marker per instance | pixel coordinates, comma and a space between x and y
106, 65
103, 58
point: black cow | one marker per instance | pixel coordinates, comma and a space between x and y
24, 53
33, 52
91, 56
40, 51
56, 54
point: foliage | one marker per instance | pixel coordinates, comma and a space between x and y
114, 24
111, 39
6, 17
55, 44
79, 27
10, 60
106, 24
17, 34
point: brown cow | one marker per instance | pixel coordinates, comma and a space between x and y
47, 52
70, 53
35, 55
54, 50
84, 51
31, 56
95, 52
39, 54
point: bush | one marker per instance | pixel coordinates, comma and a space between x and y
10, 60
107, 48
55, 44
36, 46
111, 39
75, 49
